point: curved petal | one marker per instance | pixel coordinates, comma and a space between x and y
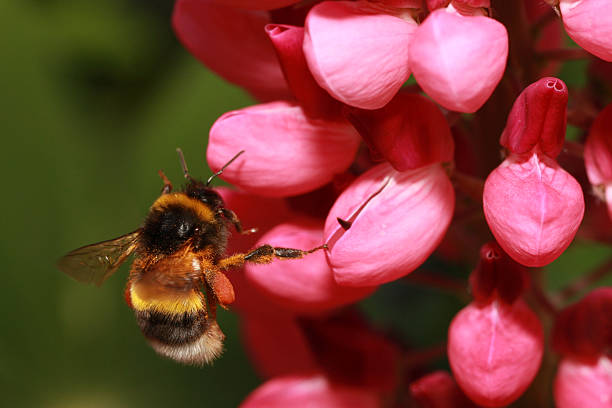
232, 43
286, 153
392, 222
439, 390
276, 345
589, 23
583, 384
409, 132
598, 149
495, 351
305, 286
309, 390
538, 118
315, 101
459, 60
356, 52
255, 4
533, 208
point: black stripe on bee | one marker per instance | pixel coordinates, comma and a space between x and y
171, 329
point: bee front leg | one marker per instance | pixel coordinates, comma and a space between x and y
265, 254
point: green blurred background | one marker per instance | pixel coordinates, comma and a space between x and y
95, 97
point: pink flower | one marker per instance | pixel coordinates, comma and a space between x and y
589, 23
254, 4
314, 100
598, 155
358, 51
531, 204
458, 60
580, 383
305, 286
409, 132
396, 221
286, 153
583, 335
309, 390
439, 390
495, 344
232, 43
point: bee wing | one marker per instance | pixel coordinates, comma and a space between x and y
96, 262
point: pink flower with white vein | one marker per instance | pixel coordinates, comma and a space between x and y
286, 152
358, 51
598, 155
589, 23
459, 59
495, 344
533, 206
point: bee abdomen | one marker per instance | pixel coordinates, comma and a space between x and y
171, 329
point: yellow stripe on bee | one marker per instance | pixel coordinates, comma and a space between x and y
168, 303
181, 199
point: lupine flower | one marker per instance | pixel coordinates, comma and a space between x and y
312, 174
411, 209
532, 205
459, 59
286, 152
232, 43
589, 23
307, 286
439, 390
495, 344
583, 336
309, 390
358, 51
598, 155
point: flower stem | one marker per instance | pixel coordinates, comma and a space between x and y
586, 281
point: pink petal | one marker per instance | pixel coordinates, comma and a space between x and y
598, 149
305, 286
233, 44
495, 351
286, 153
254, 4
439, 390
356, 52
315, 101
397, 220
583, 384
459, 60
584, 329
409, 132
276, 345
589, 23
309, 390
538, 118
533, 208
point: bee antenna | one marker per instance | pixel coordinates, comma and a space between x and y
211, 178
183, 164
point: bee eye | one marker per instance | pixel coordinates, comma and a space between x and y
183, 229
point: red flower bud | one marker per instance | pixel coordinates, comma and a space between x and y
409, 132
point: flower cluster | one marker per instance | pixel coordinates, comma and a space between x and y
378, 133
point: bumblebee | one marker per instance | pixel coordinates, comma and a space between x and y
178, 276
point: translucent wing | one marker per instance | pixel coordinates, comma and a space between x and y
96, 262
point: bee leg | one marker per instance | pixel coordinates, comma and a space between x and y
220, 286
233, 218
265, 254
211, 300
167, 188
